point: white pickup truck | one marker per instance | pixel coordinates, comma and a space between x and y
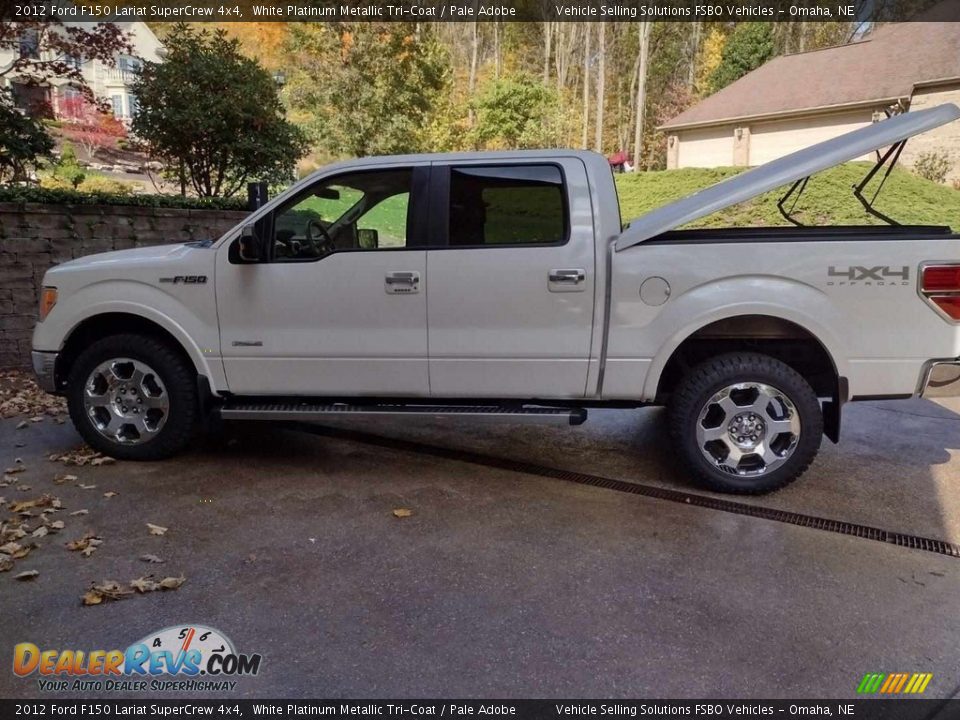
504, 284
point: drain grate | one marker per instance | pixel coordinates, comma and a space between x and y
867, 532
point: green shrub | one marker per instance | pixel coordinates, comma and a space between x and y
69, 196
68, 168
932, 166
105, 185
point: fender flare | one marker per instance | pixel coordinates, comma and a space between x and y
830, 342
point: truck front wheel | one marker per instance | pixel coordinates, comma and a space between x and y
133, 397
745, 423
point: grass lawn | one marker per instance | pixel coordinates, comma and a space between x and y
827, 200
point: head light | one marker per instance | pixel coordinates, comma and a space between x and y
48, 298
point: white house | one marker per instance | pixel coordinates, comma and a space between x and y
110, 83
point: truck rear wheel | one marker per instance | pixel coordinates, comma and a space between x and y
133, 397
745, 423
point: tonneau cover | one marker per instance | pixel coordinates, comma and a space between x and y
786, 169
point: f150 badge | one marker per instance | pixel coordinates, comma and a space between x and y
185, 279
858, 275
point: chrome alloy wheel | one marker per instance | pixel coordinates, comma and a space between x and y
748, 429
126, 401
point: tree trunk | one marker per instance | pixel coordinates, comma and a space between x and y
586, 86
547, 50
474, 55
601, 85
496, 49
694, 51
643, 32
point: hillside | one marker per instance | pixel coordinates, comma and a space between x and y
828, 198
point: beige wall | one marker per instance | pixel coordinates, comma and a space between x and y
708, 147
759, 142
771, 140
945, 139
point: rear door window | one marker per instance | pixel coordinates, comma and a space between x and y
507, 205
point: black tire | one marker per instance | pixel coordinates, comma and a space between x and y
179, 382
692, 397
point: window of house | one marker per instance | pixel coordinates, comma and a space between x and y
128, 63
507, 205
117, 103
30, 44
73, 61
365, 210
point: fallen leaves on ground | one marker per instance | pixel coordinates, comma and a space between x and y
86, 545
6, 562
157, 529
64, 478
151, 558
144, 584
112, 590
80, 456
402, 513
85, 487
79, 512
26, 575
43, 501
20, 395
17, 551
110, 494
172, 583
106, 590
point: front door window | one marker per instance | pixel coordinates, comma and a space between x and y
365, 210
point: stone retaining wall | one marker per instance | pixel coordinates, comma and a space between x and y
34, 237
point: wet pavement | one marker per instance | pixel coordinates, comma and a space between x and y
499, 583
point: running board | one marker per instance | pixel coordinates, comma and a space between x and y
309, 411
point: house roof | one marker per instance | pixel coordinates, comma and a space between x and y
882, 69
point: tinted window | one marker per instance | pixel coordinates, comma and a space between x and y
507, 205
358, 211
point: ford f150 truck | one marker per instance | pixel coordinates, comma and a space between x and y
504, 284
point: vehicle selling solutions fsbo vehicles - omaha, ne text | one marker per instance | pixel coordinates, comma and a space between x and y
502, 284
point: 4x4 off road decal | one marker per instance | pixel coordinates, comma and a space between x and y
859, 275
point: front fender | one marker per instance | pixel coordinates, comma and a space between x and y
194, 326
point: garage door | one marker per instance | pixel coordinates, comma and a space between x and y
768, 141
709, 147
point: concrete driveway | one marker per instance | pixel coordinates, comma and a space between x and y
502, 583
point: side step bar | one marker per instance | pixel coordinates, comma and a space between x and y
308, 411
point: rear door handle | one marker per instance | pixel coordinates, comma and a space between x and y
566, 280
402, 282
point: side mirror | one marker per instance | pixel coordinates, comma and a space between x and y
249, 246
368, 239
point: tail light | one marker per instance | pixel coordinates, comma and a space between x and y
940, 286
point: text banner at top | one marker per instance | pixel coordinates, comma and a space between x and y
446, 11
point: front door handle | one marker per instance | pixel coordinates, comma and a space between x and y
402, 282
566, 280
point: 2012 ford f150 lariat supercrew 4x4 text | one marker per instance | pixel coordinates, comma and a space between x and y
504, 284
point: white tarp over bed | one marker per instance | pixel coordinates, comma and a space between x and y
784, 170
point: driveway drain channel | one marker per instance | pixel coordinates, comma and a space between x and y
867, 532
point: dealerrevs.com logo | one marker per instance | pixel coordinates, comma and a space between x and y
177, 658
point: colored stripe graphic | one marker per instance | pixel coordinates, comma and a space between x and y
894, 683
